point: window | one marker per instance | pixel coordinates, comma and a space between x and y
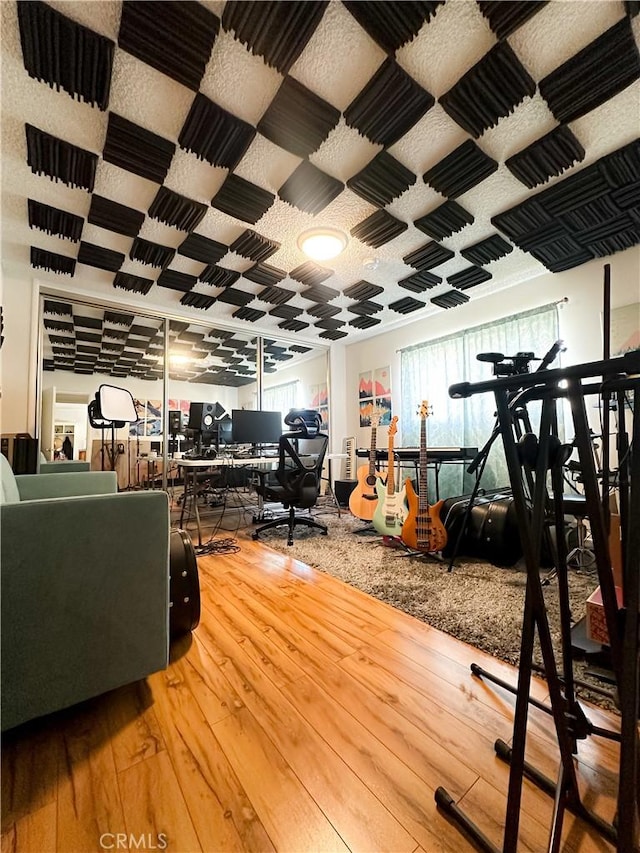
427, 371
281, 398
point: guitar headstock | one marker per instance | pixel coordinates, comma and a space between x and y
375, 419
393, 426
425, 409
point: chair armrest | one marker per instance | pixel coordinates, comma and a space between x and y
63, 467
38, 486
85, 598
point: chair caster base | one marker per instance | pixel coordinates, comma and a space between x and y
254, 536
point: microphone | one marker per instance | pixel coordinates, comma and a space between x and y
550, 356
493, 357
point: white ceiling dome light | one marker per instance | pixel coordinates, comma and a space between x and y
322, 244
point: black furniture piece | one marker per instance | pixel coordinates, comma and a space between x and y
296, 481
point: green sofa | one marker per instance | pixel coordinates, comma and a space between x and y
85, 589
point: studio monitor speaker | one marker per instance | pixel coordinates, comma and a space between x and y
175, 422
202, 416
343, 489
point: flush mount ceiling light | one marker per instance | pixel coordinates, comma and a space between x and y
322, 244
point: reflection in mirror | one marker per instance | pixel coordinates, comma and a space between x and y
84, 347
295, 376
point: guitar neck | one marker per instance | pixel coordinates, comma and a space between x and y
391, 486
372, 452
423, 497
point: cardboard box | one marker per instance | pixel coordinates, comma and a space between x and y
596, 624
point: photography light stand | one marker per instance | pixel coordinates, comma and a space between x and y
623, 633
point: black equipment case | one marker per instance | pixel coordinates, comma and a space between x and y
492, 528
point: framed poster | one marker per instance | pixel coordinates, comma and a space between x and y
625, 329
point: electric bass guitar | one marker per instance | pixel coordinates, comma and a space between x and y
364, 498
391, 510
423, 530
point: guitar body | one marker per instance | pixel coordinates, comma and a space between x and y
423, 530
364, 498
390, 511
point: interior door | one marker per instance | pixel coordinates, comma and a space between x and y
46, 422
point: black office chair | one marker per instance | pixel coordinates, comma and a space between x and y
296, 482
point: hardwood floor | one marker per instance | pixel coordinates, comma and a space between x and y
302, 715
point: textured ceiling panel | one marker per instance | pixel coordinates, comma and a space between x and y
65, 54
198, 300
491, 249
489, 91
389, 105
47, 155
54, 221
578, 218
382, 180
276, 31
214, 134
406, 305
378, 229
392, 24
218, 276
96, 256
362, 290
546, 157
264, 274
333, 335
254, 246
242, 199
365, 307
469, 277
444, 220
450, 299
175, 280
310, 273
184, 97
293, 325
202, 249
309, 189
275, 295
115, 217
249, 314
428, 256
297, 119
459, 171
420, 281
176, 210
137, 150
364, 322
579, 85
319, 293
286, 312
60, 264
174, 37
505, 16
151, 254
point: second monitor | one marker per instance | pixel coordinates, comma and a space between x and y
256, 427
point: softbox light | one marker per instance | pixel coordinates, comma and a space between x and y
116, 404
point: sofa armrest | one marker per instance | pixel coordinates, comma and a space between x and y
63, 467
85, 598
38, 486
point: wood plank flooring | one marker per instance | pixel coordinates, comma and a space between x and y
302, 715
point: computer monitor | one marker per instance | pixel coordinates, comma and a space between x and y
225, 430
256, 427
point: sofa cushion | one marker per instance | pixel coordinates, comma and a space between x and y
9, 493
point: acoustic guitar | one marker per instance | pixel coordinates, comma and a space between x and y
364, 498
391, 510
423, 530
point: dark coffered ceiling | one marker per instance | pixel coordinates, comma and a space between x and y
170, 153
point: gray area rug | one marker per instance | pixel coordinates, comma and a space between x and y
477, 602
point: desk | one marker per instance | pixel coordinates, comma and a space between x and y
191, 467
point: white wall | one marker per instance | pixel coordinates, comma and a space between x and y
580, 324
17, 356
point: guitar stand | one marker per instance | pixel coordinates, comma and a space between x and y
570, 722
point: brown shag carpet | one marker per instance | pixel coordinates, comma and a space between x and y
477, 602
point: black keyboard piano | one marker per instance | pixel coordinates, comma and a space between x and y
434, 454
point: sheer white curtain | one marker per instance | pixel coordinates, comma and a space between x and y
281, 398
427, 371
